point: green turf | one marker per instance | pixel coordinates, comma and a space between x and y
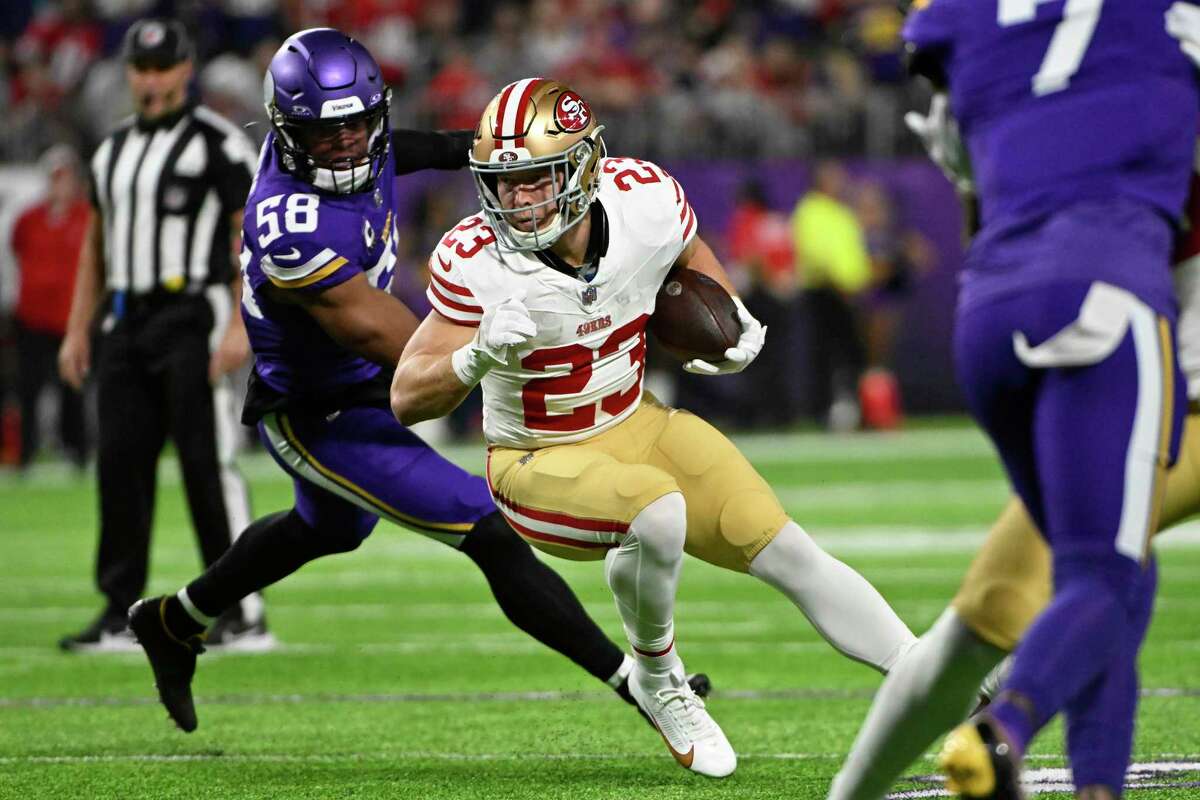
372, 695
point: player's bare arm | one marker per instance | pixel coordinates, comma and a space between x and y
75, 355
699, 256
361, 318
234, 348
424, 385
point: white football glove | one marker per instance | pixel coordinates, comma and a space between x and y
1183, 22
737, 358
938, 132
503, 326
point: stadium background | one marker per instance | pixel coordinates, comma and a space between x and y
398, 676
729, 96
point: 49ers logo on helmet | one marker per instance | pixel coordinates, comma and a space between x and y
572, 113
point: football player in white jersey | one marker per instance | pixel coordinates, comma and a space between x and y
544, 298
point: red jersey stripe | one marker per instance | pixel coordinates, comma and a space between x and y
691, 222
453, 288
439, 298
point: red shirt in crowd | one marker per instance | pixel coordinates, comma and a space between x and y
47, 249
758, 234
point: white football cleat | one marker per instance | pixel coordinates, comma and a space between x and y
691, 734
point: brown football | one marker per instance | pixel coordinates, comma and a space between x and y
694, 317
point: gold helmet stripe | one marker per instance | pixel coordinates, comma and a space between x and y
510, 112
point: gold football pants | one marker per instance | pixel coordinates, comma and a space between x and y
577, 500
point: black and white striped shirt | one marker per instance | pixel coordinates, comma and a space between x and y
165, 194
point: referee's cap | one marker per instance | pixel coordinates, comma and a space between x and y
156, 43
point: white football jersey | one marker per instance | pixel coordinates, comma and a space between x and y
582, 372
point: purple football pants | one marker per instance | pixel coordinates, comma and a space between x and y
1084, 430
1078, 387
360, 464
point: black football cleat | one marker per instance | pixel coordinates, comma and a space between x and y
173, 660
979, 762
108, 633
699, 682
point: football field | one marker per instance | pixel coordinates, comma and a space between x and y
398, 677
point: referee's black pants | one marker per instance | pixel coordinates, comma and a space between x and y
152, 375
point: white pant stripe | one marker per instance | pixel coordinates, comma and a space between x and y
1142, 456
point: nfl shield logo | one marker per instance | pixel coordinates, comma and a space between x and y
589, 295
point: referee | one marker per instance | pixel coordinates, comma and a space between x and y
157, 273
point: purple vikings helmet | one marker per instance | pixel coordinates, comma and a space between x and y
321, 80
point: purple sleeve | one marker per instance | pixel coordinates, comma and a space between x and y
309, 261
930, 24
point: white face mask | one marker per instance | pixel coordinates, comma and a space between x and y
572, 201
343, 181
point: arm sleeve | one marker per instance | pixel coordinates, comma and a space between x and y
305, 265
688, 223
417, 150
448, 292
662, 199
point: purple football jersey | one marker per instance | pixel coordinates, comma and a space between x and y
297, 238
1096, 107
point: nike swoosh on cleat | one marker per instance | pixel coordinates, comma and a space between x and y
684, 759
291, 255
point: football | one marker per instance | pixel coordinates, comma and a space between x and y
694, 317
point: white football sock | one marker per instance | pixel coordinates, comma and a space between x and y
996, 678
931, 690
643, 574
840, 603
622, 672
193, 612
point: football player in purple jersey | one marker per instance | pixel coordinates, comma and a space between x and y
1078, 124
319, 248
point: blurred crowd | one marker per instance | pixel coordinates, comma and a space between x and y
704, 78
829, 268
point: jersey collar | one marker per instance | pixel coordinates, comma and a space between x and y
597, 248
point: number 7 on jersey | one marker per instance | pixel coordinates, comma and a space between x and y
1071, 38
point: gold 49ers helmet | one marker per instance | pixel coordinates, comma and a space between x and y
538, 123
